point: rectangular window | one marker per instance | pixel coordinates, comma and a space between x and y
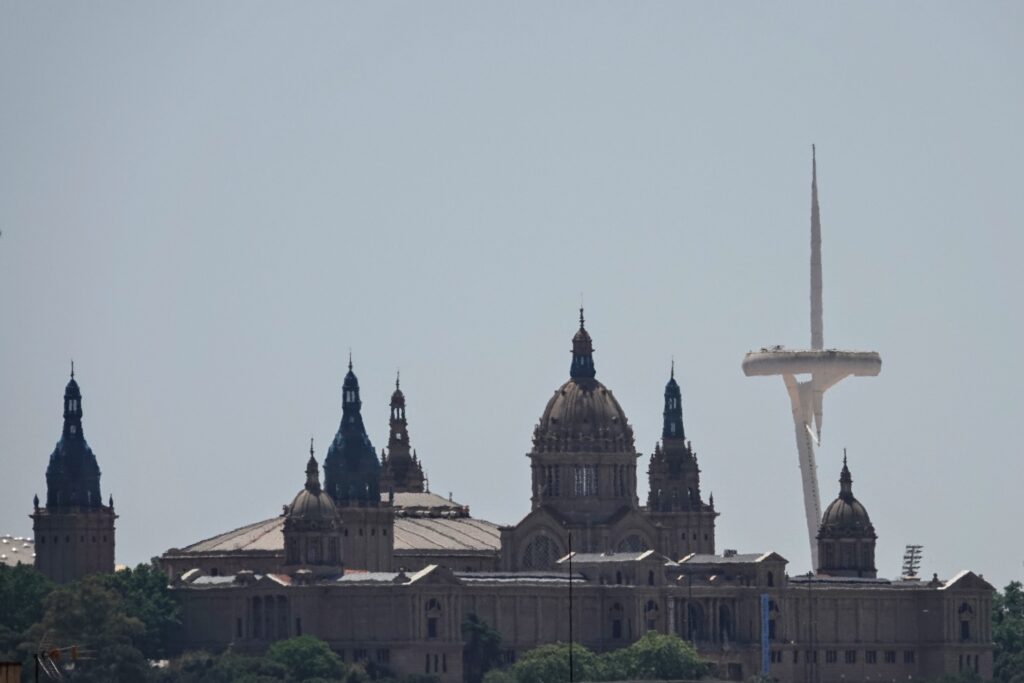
890, 656
850, 657
298, 626
238, 627
796, 656
383, 656
871, 657
908, 656
432, 627
830, 656
359, 656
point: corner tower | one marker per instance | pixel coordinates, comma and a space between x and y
674, 500
74, 532
351, 470
352, 479
401, 469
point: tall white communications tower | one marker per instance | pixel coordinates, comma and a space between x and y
808, 374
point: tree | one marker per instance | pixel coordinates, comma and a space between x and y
549, 663
1008, 634
22, 592
499, 676
91, 616
657, 656
306, 657
482, 651
147, 597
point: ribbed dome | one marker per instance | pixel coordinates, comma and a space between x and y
846, 516
583, 416
310, 506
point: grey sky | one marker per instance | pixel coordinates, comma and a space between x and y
207, 204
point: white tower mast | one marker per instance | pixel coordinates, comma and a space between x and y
824, 368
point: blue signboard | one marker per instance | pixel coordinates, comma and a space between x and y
765, 649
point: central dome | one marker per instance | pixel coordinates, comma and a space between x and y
583, 415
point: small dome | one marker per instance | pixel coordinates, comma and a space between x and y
846, 516
312, 506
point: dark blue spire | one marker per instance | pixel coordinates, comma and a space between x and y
673, 414
582, 354
351, 468
73, 475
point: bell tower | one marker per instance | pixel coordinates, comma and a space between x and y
674, 498
74, 531
401, 469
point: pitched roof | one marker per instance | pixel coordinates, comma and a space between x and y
412, 534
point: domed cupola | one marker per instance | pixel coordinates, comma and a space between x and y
846, 537
583, 415
351, 468
584, 458
312, 526
73, 475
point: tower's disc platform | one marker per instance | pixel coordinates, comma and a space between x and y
789, 362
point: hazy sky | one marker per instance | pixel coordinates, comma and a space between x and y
206, 205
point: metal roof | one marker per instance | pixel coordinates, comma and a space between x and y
411, 534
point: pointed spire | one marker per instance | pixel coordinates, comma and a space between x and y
72, 368
817, 331
845, 481
350, 359
672, 374
312, 471
582, 353
672, 427
398, 379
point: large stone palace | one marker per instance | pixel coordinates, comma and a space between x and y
371, 561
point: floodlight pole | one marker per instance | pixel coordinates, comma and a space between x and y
571, 679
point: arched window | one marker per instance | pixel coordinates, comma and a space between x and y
540, 553
433, 614
633, 543
615, 616
695, 623
966, 614
725, 628
651, 615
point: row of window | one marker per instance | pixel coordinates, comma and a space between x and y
440, 664
849, 656
359, 655
584, 480
67, 539
373, 532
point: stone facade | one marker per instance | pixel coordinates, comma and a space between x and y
587, 554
